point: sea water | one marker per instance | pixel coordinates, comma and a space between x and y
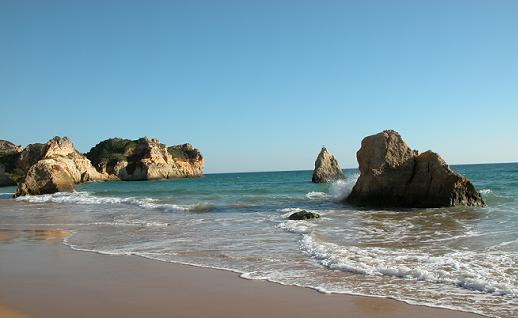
463, 258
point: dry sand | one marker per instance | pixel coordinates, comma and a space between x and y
40, 277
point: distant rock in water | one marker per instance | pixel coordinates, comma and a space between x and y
146, 159
327, 168
59, 168
393, 175
303, 215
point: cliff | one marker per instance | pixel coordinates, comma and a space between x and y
146, 159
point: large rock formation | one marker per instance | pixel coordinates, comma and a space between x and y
393, 175
146, 159
326, 168
60, 167
57, 166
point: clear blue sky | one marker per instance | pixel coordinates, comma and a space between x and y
262, 85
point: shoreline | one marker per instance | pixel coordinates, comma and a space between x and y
42, 277
268, 281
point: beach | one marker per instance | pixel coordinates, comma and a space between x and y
232, 232
41, 277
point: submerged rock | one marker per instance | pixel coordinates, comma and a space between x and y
146, 159
303, 215
393, 175
327, 168
60, 167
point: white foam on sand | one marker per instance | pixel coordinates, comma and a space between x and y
462, 268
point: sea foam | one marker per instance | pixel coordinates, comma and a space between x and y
87, 198
463, 269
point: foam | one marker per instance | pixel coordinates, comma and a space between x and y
461, 269
315, 195
340, 189
87, 198
300, 227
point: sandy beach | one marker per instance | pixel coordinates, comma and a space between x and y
41, 277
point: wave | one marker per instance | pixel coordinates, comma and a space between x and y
485, 191
461, 268
341, 189
87, 198
6, 195
338, 190
314, 195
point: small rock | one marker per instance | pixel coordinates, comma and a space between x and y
303, 215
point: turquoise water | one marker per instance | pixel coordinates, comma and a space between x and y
461, 258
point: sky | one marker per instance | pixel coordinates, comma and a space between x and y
262, 85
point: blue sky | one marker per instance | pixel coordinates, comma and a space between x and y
262, 85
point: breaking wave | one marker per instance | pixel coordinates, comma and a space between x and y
87, 198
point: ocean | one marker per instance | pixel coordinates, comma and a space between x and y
461, 258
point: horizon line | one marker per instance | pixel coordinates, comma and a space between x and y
349, 168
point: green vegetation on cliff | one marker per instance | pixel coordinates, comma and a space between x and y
184, 152
110, 151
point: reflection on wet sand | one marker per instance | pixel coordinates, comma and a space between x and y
9, 312
51, 236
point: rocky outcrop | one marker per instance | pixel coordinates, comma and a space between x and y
303, 215
9, 154
16, 161
5, 178
327, 168
60, 167
57, 166
146, 159
8, 147
29, 156
45, 177
393, 175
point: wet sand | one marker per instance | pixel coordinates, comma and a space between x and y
40, 277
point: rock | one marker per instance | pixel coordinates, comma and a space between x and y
327, 168
9, 154
146, 159
29, 156
303, 215
45, 177
7, 146
393, 175
5, 178
60, 167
